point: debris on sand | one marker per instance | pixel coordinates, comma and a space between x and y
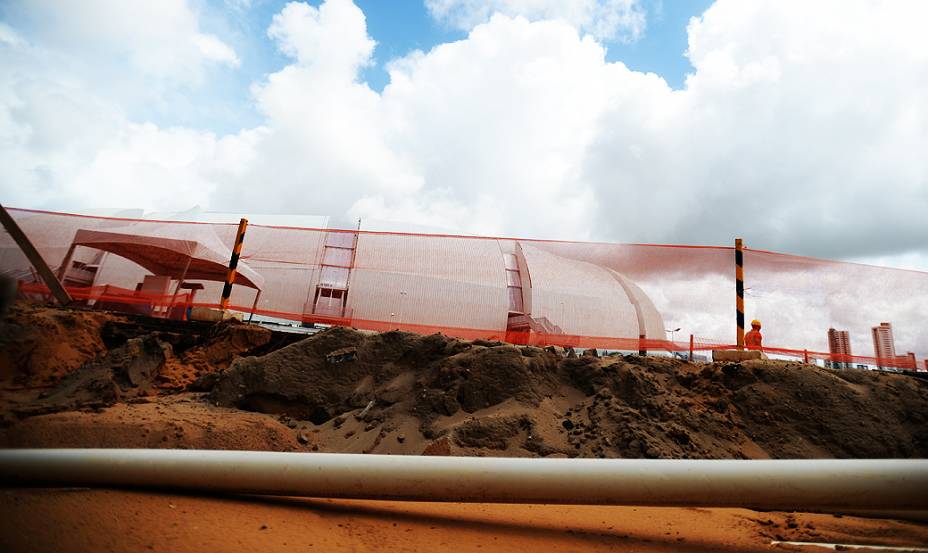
177, 421
125, 372
499, 399
343, 390
90, 360
223, 343
429, 376
39, 345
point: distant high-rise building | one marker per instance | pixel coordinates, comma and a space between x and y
839, 345
883, 347
906, 361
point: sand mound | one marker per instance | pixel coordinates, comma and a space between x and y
103, 359
223, 343
654, 408
467, 398
342, 369
183, 421
343, 390
39, 345
125, 372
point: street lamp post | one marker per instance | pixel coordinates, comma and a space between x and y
671, 331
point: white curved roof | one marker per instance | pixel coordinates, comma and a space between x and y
587, 299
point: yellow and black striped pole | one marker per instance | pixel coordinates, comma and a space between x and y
233, 263
739, 290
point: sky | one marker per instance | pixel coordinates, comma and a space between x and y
800, 126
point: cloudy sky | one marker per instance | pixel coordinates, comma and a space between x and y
801, 126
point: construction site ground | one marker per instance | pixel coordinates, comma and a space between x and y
79, 378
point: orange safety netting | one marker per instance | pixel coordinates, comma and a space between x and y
629, 297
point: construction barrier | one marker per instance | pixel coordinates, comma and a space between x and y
622, 297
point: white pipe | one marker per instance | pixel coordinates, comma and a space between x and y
806, 485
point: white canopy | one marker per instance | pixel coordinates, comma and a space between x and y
166, 249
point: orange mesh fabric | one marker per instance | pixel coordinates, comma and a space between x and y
586, 295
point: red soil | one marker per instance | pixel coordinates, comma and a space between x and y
80, 520
112, 382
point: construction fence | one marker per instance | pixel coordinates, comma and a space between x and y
626, 297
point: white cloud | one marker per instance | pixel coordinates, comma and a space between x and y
67, 79
330, 38
802, 128
486, 120
323, 126
622, 20
213, 49
159, 39
806, 128
8, 36
163, 168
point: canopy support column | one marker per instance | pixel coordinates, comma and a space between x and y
167, 311
63, 269
255, 304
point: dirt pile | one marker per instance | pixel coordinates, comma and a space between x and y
182, 421
39, 345
91, 360
340, 370
343, 390
644, 407
222, 344
123, 373
393, 392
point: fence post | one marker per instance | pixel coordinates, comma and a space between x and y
805, 356
739, 291
692, 343
233, 263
